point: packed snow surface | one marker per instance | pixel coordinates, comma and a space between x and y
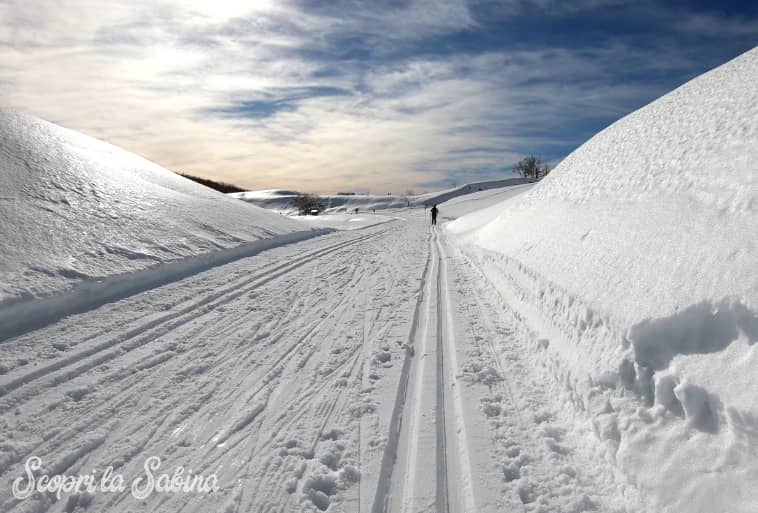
637, 261
344, 221
74, 209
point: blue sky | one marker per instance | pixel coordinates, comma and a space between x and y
375, 96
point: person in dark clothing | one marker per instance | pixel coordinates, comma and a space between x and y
434, 214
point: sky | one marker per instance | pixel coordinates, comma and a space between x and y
345, 95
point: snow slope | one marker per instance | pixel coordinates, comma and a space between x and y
281, 200
635, 261
467, 190
479, 201
75, 210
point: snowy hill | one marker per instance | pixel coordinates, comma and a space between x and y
479, 200
281, 200
435, 198
75, 210
637, 258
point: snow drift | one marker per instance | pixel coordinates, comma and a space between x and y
78, 212
637, 260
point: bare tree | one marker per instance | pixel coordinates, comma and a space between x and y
307, 203
531, 167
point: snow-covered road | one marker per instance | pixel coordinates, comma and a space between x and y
368, 370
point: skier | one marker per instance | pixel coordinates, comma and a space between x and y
434, 214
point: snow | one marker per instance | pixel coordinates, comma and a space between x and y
281, 200
77, 212
262, 370
586, 343
479, 202
470, 190
635, 260
345, 221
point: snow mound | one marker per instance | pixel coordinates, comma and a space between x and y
75, 210
636, 258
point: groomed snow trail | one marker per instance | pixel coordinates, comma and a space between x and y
478, 429
371, 370
427, 458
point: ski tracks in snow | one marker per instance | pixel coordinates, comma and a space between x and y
363, 371
430, 469
252, 370
479, 429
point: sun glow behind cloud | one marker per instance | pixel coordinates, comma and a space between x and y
326, 96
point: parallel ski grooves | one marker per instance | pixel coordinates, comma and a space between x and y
441, 470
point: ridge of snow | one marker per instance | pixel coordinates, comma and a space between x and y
636, 259
76, 210
281, 200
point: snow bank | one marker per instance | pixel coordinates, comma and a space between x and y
636, 260
75, 210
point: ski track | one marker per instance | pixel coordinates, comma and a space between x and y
540, 460
432, 432
344, 373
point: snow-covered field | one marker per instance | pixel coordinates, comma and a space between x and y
280, 201
582, 344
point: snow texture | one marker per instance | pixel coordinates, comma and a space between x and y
281, 200
635, 260
78, 212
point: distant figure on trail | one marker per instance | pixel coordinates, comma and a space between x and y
434, 214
